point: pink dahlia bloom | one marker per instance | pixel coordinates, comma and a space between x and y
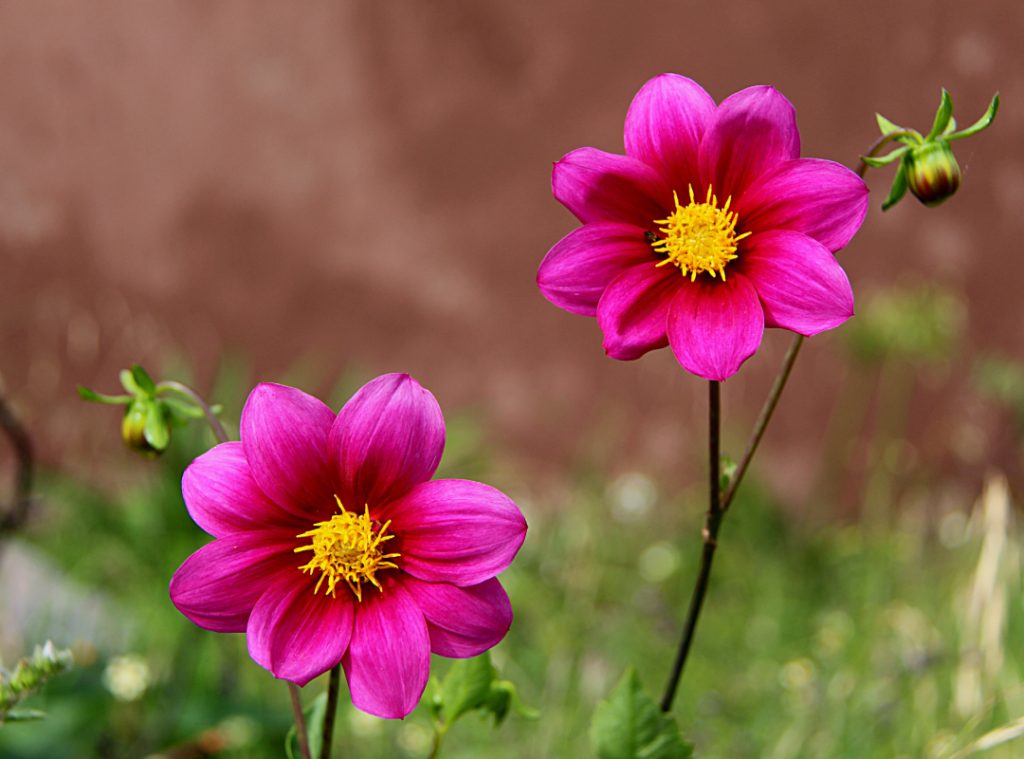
708, 230
334, 545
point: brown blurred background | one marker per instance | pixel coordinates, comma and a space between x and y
363, 187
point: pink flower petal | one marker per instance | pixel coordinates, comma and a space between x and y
633, 312
600, 186
664, 127
801, 285
715, 326
222, 497
387, 438
822, 199
298, 634
577, 270
462, 622
217, 586
284, 435
388, 660
753, 130
455, 531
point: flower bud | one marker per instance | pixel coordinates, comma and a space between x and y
140, 417
932, 172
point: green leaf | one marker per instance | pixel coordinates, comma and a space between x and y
504, 697
129, 384
629, 725
156, 431
899, 185
112, 400
884, 160
22, 715
466, 687
942, 115
982, 123
950, 127
886, 126
143, 381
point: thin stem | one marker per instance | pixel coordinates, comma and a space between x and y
712, 521
762, 421
14, 516
192, 395
440, 729
300, 721
787, 366
332, 708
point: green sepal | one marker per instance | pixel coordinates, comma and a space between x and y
899, 184
157, 431
942, 115
983, 123
629, 725
143, 381
950, 127
886, 126
315, 713
504, 697
128, 382
111, 400
181, 412
884, 160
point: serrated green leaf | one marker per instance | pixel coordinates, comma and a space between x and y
111, 400
884, 160
886, 126
629, 725
23, 715
466, 686
983, 123
899, 185
942, 115
156, 431
143, 381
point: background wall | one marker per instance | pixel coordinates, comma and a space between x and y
364, 187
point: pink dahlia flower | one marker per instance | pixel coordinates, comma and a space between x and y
708, 230
334, 545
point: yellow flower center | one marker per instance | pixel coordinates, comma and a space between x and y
699, 237
348, 547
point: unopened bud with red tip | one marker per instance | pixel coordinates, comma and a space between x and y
932, 172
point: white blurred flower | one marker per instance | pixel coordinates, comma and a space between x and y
127, 677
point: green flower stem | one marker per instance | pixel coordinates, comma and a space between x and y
192, 395
332, 708
718, 502
440, 729
300, 721
712, 521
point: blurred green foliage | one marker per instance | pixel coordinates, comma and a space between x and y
846, 641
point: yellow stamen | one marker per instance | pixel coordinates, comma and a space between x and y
348, 547
699, 237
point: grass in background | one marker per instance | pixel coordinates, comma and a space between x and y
892, 638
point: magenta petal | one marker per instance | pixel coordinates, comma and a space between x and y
600, 186
715, 326
297, 634
217, 586
664, 126
455, 531
284, 435
753, 130
633, 312
577, 270
462, 622
822, 199
387, 438
388, 660
801, 285
222, 497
